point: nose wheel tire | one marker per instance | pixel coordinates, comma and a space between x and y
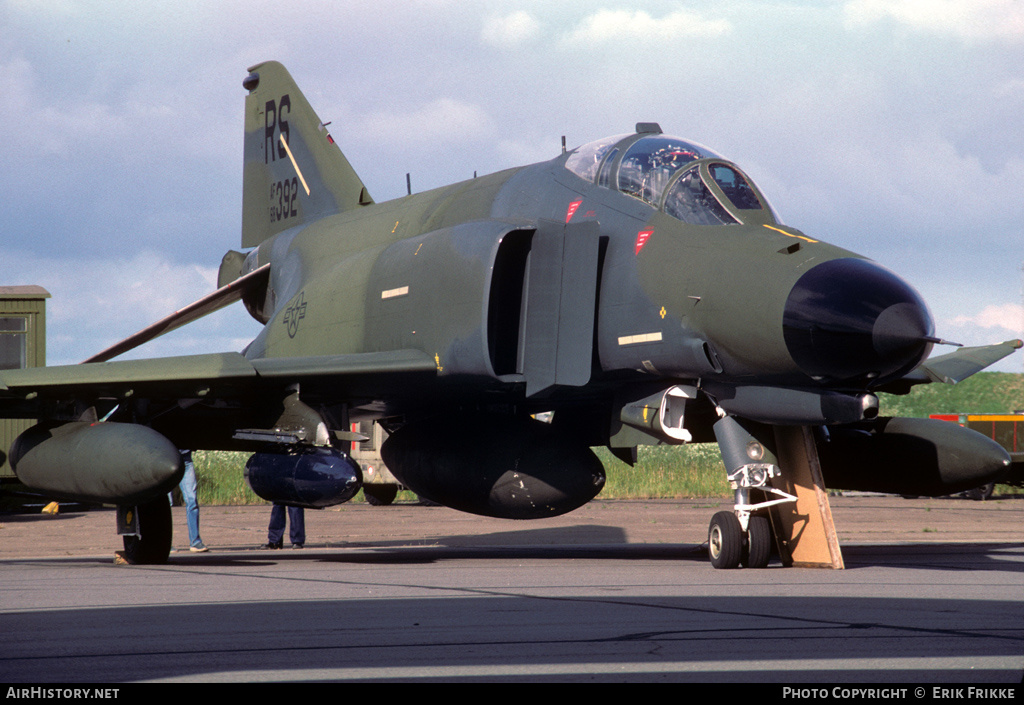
759, 543
725, 541
729, 546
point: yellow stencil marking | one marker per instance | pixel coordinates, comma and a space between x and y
295, 164
799, 237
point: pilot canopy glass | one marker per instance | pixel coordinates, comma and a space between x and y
687, 181
650, 163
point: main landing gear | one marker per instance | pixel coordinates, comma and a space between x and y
146, 530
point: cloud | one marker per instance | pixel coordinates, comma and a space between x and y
967, 20
991, 324
50, 127
1009, 317
616, 25
508, 31
124, 292
102, 301
439, 121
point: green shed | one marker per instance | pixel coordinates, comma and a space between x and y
22, 344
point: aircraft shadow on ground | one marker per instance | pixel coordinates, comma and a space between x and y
609, 543
595, 542
326, 636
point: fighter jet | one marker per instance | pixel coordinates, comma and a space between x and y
636, 290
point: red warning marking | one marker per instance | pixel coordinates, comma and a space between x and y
573, 207
641, 239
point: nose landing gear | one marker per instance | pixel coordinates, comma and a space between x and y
744, 536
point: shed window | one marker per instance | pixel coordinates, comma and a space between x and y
13, 342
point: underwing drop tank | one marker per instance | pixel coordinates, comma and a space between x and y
116, 463
910, 456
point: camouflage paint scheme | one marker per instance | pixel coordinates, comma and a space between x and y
453, 315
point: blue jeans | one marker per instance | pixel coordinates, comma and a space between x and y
297, 532
188, 496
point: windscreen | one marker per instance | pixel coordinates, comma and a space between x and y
692, 202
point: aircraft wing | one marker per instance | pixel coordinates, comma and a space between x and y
953, 367
119, 379
198, 399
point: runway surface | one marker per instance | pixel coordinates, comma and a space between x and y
617, 591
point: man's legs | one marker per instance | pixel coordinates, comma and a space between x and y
188, 496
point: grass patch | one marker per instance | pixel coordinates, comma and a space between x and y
220, 479
666, 472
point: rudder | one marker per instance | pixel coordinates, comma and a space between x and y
294, 172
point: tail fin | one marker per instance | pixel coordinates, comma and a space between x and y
294, 173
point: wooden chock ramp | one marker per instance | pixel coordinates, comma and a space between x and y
804, 529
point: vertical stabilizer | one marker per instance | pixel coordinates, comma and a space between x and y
294, 172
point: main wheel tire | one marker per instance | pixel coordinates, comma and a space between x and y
759, 543
725, 541
982, 493
380, 495
153, 544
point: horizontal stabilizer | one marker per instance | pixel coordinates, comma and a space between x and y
954, 367
208, 304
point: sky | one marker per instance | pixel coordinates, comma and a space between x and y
893, 128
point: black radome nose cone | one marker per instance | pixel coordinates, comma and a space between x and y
853, 321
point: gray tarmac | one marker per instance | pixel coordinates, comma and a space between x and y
618, 591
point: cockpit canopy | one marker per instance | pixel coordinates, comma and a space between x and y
684, 179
